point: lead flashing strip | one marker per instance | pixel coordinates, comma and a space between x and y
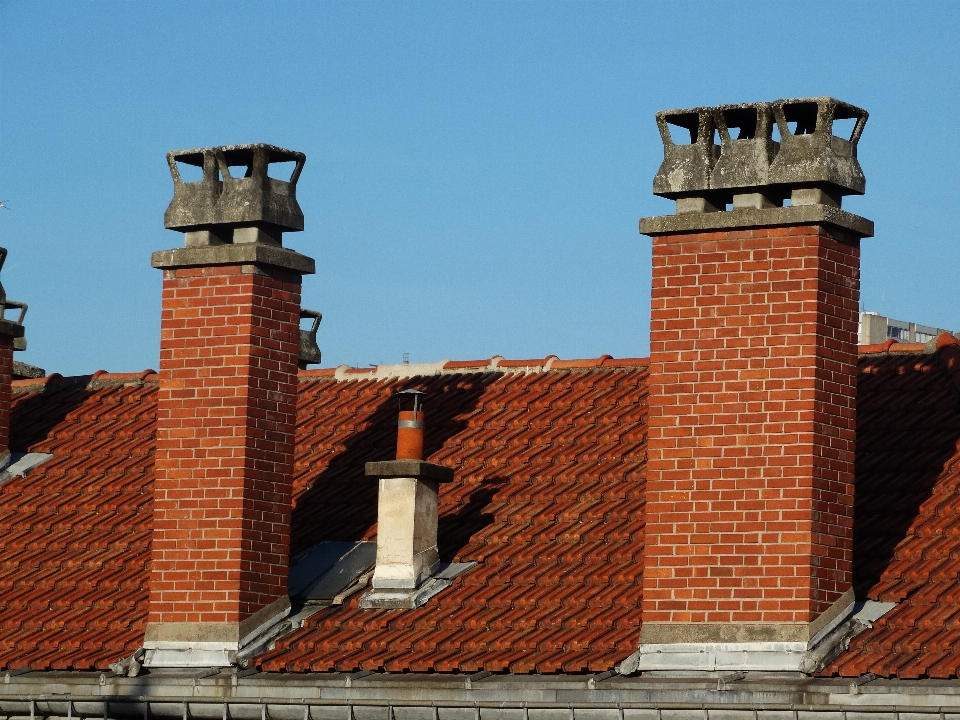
398, 599
22, 463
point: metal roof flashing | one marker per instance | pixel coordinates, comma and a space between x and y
438, 581
18, 464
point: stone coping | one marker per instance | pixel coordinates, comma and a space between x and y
238, 254
419, 469
9, 327
747, 218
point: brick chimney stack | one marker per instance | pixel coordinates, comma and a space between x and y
10, 333
753, 349
227, 406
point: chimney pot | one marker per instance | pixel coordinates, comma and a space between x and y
410, 426
229, 206
702, 176
309, 350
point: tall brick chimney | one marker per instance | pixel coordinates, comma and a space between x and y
10, 333
750, 469
227, 406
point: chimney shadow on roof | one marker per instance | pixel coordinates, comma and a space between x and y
36, 415
455, 529
908, 426
340, 502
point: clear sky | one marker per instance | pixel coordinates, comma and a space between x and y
475, 170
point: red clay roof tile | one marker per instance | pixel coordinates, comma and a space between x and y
548, 497
907, 526
519, 505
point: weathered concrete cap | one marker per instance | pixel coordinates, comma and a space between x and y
686, 166
23, 371
409, 469
242, 195
245, 254
9, 327
808, 153
309, 350
746, 154
754, 218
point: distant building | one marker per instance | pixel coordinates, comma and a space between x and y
875, 329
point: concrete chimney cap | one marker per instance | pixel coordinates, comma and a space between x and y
222, 197
239, 155
808, 154
828, 109
309, 352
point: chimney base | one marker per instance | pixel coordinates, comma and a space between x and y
208, 644
407, 555
392, 599
739, 646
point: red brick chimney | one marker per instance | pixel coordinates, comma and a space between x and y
753, 349
9, 332
227, 407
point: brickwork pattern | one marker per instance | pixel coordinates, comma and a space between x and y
6, 377
225, 435
752, 425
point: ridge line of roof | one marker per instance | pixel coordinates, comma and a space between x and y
451, 367
497, 363
101, 378
895, 347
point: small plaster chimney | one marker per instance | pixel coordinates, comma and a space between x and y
753, 350
226, 415
407, 510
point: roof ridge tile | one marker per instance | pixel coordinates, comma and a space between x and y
497, 363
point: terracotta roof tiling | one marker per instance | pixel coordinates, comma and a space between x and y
548, 491
907, 514
544, 500
549, 460
74, 533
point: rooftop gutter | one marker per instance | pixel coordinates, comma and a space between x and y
215, 694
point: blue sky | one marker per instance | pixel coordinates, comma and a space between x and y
475, 170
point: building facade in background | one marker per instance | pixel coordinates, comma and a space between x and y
876, 329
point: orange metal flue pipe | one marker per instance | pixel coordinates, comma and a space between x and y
410, 428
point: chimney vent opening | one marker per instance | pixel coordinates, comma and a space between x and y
744, 120
281, 170
683, 126
190, 172
801, 118
845, 124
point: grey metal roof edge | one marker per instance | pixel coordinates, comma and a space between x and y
165, 692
